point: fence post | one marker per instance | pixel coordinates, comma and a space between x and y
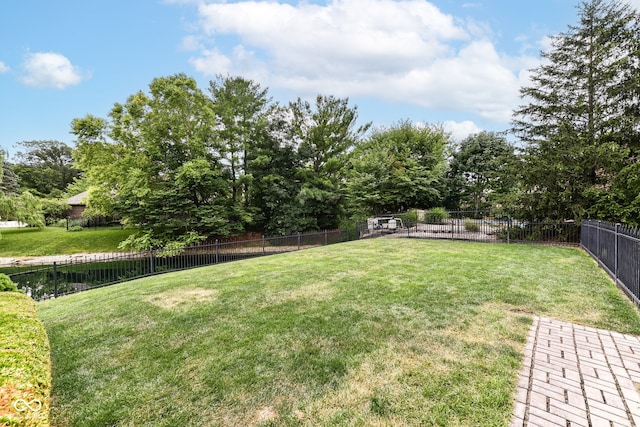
617, 252
508, 229
55, 280
325, 237
298, 240
263, 245
217, 251
151, 266
598, 253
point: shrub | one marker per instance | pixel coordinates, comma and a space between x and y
471, 225
410, 217
54, 210
542, 232
75, 228
6, 285
25, 377
435, 216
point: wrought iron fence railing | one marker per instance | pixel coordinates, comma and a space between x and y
616, 247
472, 225
78, 274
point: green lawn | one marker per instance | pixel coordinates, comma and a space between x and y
23, 242
373, 332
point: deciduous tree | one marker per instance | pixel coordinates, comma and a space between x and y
158, 164
45, 167
398, 168
481, 170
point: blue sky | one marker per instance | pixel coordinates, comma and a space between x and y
447, 62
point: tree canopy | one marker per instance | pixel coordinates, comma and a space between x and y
45, 167
481, 171
580, 121
186, 165
23, 207
398, 168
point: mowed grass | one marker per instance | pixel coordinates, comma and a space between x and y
367, 333
25, 242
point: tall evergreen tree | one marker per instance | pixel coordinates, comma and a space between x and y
324, 132
580, 123
9, 184
241, 107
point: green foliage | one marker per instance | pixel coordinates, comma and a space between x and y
273, 163
580, 123
158, 165
45, 166
409, 217
6, 284
241, 109
25, 361
9, 184
25, 208
482, 169
75, 228
547, 232
54, 210
325, 131
79, 185
436, 216
397, 168
471, 225
145, 241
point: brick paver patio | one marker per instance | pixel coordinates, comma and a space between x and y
578, 376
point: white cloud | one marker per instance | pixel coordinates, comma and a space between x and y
4, 68
190, 43
460, 130
406, 51
49, 69
211, 62
634, 3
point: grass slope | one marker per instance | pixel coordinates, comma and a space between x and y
378, 332
24, 242
25, 369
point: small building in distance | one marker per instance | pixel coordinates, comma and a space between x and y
77, 204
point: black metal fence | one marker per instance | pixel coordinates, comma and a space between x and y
94, 222
474, 226
616, 247
75, 275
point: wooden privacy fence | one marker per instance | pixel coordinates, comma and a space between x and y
61, 278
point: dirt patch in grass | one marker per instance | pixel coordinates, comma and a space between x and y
180, 298
265, 415
321, 291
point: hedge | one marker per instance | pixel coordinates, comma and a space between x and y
25, 364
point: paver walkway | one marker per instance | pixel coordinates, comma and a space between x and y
578, 376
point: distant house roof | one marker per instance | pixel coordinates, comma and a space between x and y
78, 199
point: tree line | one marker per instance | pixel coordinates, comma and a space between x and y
184, 163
